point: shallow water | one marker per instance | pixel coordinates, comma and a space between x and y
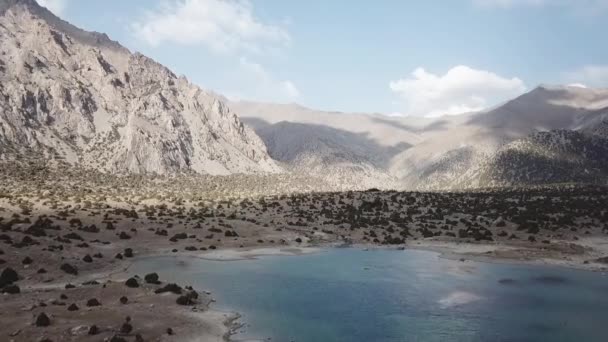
382, 295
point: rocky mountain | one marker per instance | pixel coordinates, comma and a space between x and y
558, 156
77, 96
339, 147
68, 95
529, 140
486, 136
371, 149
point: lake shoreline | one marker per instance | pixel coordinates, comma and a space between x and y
204, 319
451, 251
465, 252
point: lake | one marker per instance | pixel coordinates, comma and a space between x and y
347, 294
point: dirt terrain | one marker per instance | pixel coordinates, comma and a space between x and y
68, 237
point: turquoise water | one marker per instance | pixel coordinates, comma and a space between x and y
383, 295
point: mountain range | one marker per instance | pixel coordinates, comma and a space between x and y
551, 134
77, 97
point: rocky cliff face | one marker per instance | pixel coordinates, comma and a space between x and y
77, 96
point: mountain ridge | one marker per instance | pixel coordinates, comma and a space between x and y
449, 152
85, 99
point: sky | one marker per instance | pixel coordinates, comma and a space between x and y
397, 57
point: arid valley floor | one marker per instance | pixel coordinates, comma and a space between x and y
68, 236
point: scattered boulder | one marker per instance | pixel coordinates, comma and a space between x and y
602, 260
126, 328
128, 252
8, 276
132, 282
27, 260
87, 258
73, 236
91, 282
173, 288
124, 300
43, 320
179, 236
93, 330
11, 289
73, 307
93, 302
152, 278
69, 269
187, 299
90, 229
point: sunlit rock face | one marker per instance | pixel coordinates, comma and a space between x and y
78, 96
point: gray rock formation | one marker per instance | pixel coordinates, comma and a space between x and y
78, 96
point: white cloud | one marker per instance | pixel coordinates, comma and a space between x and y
589, 75
55, 6
220, 25
257, 83
462, 89
577, 85
290, 89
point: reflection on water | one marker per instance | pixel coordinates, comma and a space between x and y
458, 298
354, 295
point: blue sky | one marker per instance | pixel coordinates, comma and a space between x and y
410, 57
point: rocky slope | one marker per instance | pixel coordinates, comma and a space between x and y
452, 152
342, 148
557, 156
78, 96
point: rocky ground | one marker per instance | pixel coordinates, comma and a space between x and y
68, 235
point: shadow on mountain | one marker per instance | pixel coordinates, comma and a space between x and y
436, 125
550, 157
289, 141
540, 109
255, 123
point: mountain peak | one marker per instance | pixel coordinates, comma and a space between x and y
91, 38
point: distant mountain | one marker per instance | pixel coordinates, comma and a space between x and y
528, 140
557, 156
77, 96
488, 135
339, 147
